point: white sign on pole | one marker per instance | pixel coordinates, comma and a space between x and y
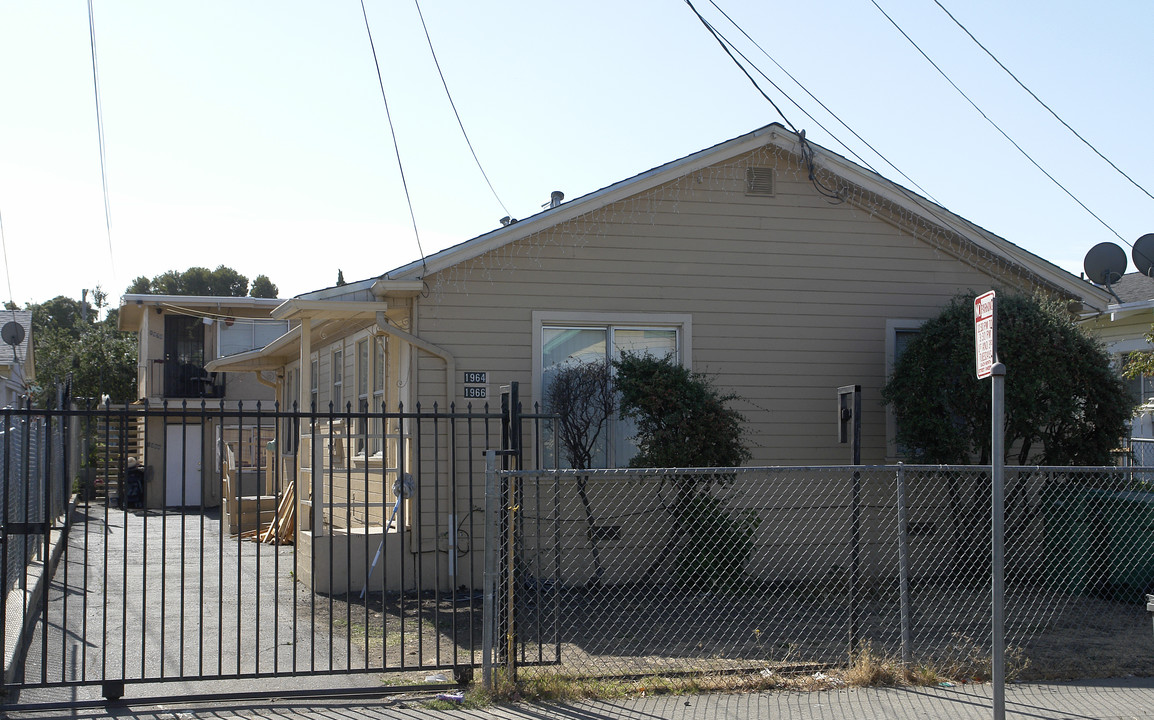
984, 341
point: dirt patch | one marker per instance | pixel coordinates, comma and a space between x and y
616, 631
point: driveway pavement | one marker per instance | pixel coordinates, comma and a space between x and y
1088, 700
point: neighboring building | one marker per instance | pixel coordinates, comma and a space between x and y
178, 336
17, 362
1123, 324
778, 267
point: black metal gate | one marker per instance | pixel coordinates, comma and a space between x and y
225, 543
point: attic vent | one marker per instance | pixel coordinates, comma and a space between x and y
759, 181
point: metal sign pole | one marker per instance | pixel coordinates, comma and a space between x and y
986, 355
998, 489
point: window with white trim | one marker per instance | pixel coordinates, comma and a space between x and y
314, 384
376, 427
564, 338
362, 380
237, 335
337, 370
898, 336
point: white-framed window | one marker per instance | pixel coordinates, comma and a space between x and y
337, 371
380, 372
314, 384
289, 436
362, 380
567, 337
237, 335
899, 332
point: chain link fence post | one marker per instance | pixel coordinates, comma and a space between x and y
904, 568
489, 624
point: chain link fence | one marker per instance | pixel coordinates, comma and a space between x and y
774, 570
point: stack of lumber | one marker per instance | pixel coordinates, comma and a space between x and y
283, 526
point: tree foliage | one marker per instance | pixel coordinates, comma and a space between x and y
581, 394
69, 340
1064, 403
682, 419
262, 287
221, 282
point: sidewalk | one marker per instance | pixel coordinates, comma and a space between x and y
1084, 700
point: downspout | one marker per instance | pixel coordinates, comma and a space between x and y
450, 361
451, 392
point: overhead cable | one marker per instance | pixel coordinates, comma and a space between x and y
7, 271
100, 138
813, 97
807, 154
933, 209
995, 125
393, 132
717, 36
1039, 100
454, 106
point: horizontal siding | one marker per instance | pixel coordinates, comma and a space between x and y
789, 297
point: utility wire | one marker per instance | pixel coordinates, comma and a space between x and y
807, 154
393, 132
797, 82
454, 106
7, 271
100, 138
995, 125
1048, 108
934, 210
717, 36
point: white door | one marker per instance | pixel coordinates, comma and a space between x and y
182, 481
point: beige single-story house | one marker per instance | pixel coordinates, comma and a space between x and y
178, 335
1123, 324
780, 268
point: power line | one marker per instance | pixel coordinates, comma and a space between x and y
994, 124
808, 153
100, 138
724, 46
454, 106
393, 132
7, 271
1039, 100
813, 97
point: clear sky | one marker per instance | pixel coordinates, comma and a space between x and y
252, 133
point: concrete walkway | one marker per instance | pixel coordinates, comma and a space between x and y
1087, 700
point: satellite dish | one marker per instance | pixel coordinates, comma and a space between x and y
12, 333
1105, 263
1143, 254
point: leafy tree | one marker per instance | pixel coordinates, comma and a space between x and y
341, 278
101, 361
581, 394
69, 339
683, 420
140, 286
60, 314
1065, 405
262, 287
223, 282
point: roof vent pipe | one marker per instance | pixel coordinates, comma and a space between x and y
507, 221
555, 198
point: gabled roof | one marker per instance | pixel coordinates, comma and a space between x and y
960, 237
